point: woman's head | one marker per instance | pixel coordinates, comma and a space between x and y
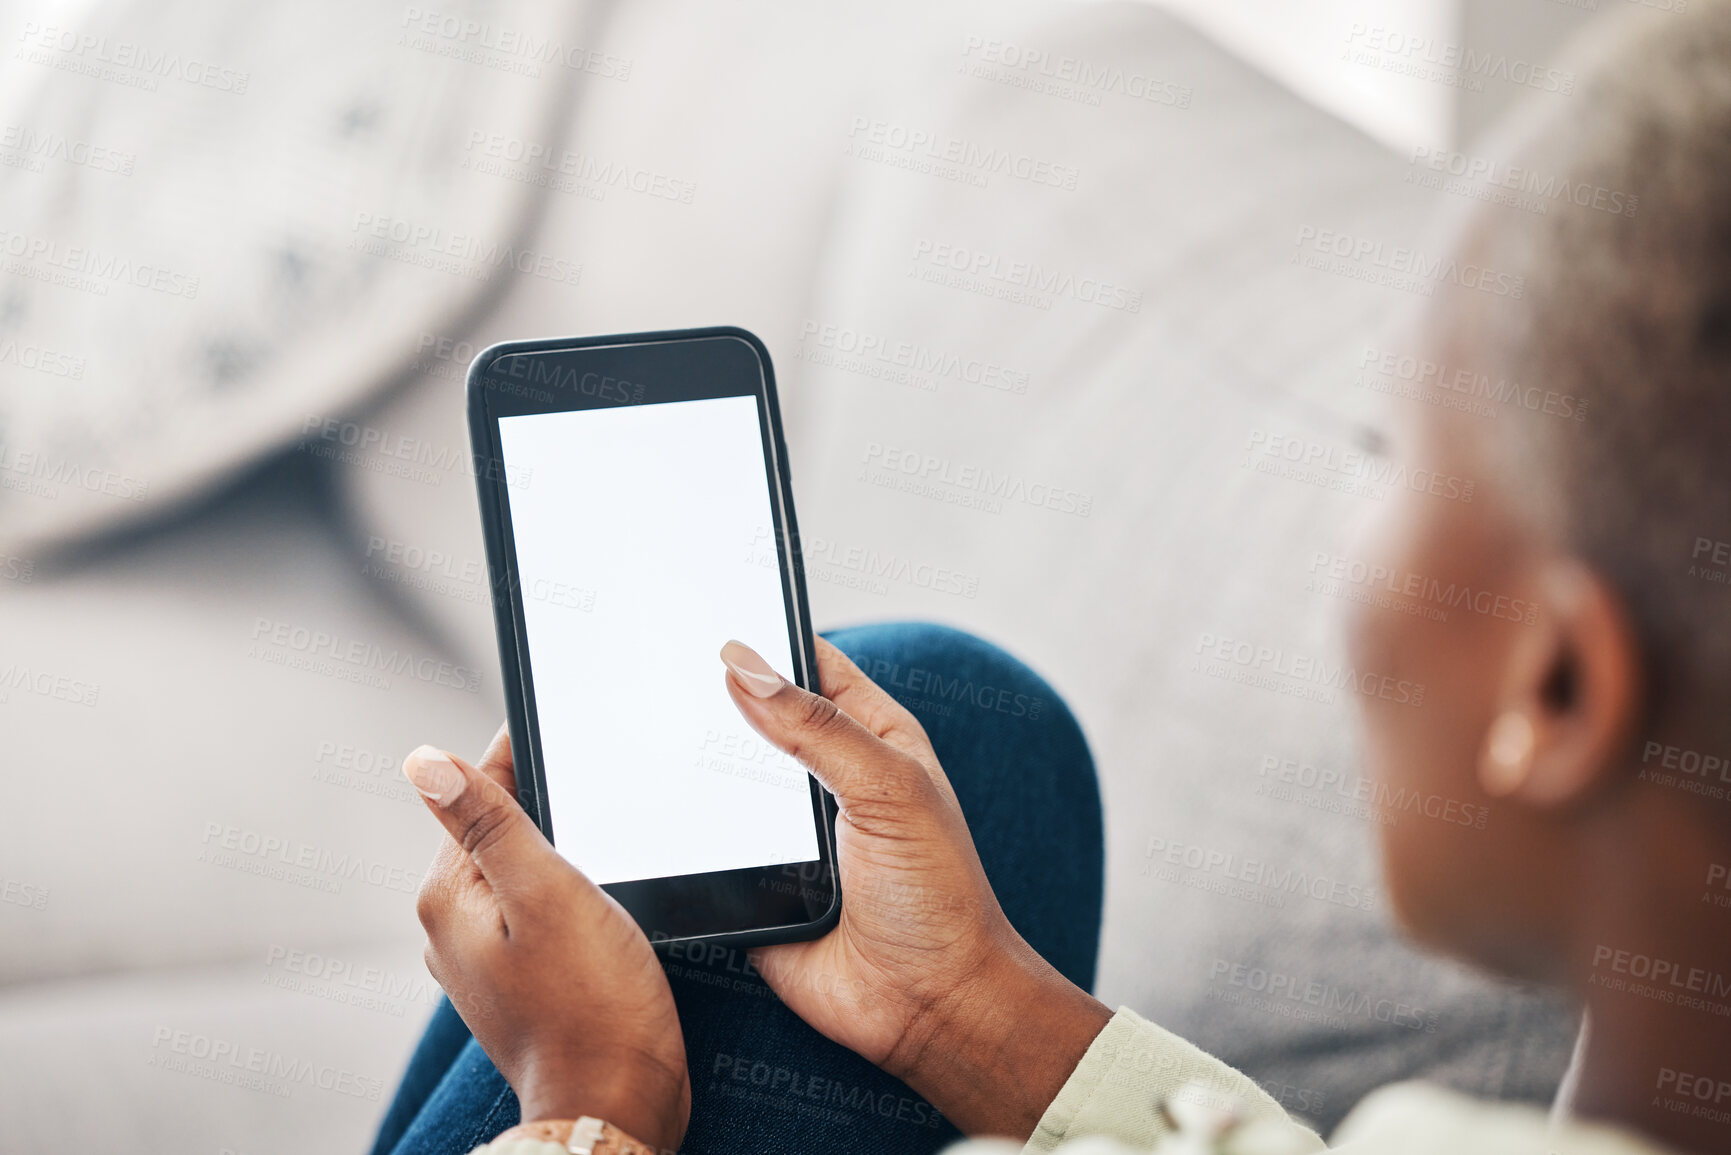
1584, 622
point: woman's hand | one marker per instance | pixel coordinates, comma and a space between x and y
553, 977
924, 975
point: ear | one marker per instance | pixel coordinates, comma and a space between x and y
1572, 695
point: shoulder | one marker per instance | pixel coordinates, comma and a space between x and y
1424, 1119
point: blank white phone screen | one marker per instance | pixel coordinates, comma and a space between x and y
644, 543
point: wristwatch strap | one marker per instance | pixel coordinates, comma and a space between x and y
586, 1136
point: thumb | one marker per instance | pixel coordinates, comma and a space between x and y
478, 813
850, 761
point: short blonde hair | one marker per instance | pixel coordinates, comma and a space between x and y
1630, 310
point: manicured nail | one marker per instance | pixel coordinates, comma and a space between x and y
431, 771
751, 670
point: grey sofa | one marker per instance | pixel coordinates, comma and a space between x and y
211, 944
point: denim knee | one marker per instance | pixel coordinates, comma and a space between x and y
957, 675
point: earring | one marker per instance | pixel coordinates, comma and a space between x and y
1508, 754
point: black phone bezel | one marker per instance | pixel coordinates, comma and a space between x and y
738, 908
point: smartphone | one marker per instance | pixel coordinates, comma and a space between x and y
638, 514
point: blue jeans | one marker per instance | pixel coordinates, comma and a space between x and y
763, 1081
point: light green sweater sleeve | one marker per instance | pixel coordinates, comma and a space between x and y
1111, 1106
1131, 1068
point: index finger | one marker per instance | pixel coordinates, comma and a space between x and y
870, 705
496, 763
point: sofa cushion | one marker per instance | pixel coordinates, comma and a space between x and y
222, 227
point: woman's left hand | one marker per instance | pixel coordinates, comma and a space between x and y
556, 981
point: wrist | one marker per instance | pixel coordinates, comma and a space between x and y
995, 1051
645, 1101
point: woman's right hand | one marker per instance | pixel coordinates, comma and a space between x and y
923, 976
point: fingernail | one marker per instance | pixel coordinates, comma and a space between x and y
431, 771
751, 670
